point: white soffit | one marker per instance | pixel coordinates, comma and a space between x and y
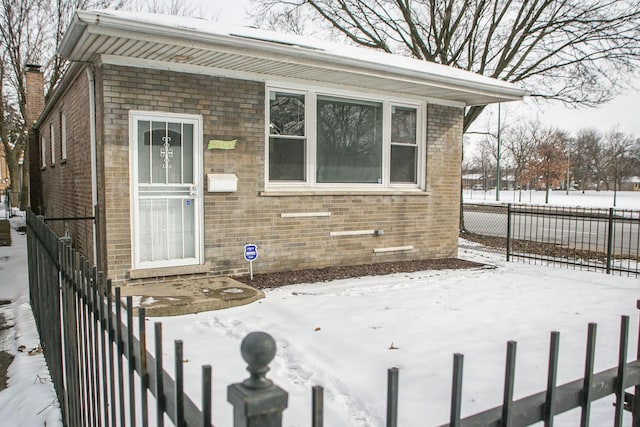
240, 50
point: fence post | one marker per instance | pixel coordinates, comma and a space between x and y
610, 241
635, 399
257, 401
508, 231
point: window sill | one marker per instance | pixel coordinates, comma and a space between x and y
147, 273
290, 192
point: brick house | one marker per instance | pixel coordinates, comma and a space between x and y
192, 140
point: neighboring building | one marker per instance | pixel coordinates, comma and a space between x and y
630, 184
193, 140
473, 181
4, 173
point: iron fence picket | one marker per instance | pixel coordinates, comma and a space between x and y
622, 362
206, 396
159, 369
317, 406
142, 336
552, 377
587, 389
120, 355
103, 347
111, 343
131, 362
93, 341
179, 370
635, 399
392, 397
84, 352
456, 390
509, 380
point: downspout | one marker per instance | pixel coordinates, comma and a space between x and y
94, 166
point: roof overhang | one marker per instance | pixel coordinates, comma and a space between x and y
195, 44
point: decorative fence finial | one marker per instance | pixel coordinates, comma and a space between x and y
257, 401
258, 349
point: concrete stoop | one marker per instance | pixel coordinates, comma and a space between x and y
174, 298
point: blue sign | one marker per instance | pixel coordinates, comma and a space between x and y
250, 252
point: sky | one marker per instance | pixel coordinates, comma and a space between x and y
345, 334
620, 114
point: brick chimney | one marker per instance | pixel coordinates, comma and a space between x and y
34, 88
34, 92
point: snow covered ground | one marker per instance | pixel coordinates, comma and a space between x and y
29, 400
590, 199
345, 334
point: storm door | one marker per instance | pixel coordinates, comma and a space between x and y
166, 190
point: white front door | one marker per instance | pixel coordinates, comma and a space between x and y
166, 196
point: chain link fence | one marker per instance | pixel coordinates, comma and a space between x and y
484, 228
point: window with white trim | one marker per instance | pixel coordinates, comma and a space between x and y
404, 144
63, 134
325, 140
43, 153
287, 136
52, 139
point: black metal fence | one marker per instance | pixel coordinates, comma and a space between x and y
555, 400
104, 376
591, 239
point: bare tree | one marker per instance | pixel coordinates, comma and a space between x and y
31, 32
575, 51
619, 150
289, 20
520, 143
169, 7
11, 136
587, 160
20, 26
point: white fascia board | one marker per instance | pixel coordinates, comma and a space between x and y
71, 37
263, 78
458, 80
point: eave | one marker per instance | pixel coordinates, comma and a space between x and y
130, 37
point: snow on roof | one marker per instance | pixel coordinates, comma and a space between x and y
472, 176
200, 46
204, 26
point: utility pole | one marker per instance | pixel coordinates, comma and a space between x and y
568, 170
498, 160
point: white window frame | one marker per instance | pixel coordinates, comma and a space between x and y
387, 102
63, 134
419, 113
43, 153
52, 140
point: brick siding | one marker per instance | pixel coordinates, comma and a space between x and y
66, 184
234, 109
